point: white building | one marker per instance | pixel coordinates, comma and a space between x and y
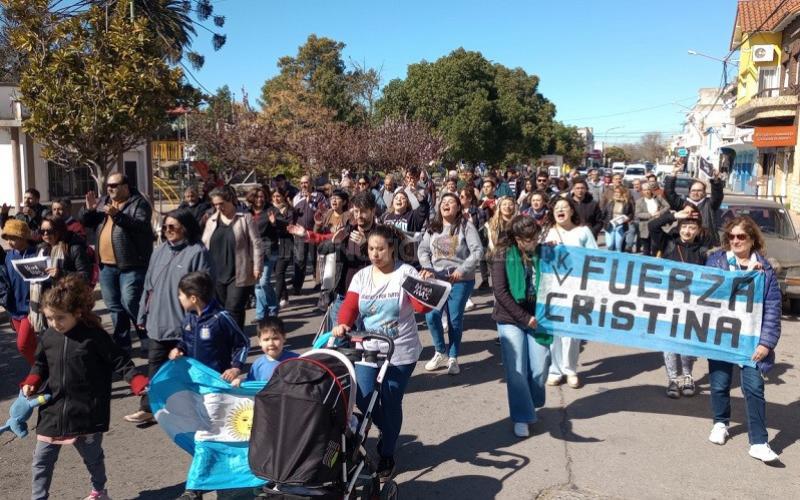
587, 133
709, 133
22, 163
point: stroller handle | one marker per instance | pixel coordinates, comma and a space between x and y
361, 336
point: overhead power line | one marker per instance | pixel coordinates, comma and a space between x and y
621, 113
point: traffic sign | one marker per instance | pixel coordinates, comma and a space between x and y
682, 152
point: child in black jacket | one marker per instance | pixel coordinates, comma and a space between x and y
76, 359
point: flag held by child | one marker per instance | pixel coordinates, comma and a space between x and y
209, 419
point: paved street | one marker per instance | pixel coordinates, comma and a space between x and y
617, 437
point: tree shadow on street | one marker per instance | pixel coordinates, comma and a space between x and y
168, 492
481, 447
619, 368
651, 399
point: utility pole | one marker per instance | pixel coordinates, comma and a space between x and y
132, 12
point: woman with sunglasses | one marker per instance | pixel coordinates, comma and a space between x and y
450, 250
160, 311
68, 254
742, 250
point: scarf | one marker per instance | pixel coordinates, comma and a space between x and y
36, 312
516, 274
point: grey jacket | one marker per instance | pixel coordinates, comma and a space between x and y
642, 216
159, 310
249, 249
442, 252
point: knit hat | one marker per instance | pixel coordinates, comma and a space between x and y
18, 228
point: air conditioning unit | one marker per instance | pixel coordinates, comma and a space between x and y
763, 53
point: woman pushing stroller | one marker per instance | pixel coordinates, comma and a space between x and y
376, 295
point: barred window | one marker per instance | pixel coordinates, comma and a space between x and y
73, 182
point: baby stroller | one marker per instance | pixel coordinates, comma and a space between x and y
306, 442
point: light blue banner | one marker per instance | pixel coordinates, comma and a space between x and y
649, 303
209, 419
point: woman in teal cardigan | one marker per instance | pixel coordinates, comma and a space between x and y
526, 355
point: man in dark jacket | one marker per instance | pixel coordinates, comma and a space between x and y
198, 208
31, 213
708, 206
124, 245
590, 212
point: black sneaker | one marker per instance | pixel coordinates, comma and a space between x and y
191, 495
687, 387
672, 390
385, 468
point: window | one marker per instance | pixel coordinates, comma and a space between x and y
768, 81
797, 68
73, 182
131, 172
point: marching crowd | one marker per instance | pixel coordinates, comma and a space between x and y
187, 295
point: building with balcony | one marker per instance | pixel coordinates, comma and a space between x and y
766, 34
23, 163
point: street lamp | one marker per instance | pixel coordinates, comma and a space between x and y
695, 53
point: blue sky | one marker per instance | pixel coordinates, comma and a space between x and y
594, 57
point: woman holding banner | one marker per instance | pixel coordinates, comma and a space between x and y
566, 229
686, 242
450, 250
743, 245
526, 355
376, 296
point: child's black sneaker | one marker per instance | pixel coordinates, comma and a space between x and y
385, 468
672, 390
687, 387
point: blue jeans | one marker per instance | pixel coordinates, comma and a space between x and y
720, 374
526, 363
122, 291
266, 300
454, 308
615, 239
388, 411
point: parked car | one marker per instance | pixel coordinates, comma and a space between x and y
633, 172
682, 184
780, 236
618, 167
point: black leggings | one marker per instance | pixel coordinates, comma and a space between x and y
234, 299
157, 355
279, 273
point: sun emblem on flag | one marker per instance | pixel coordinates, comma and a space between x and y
239, 420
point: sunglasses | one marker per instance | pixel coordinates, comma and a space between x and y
362, 183
740, 236
47, 231
171, 227
114, 185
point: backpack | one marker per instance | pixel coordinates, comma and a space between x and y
94, 277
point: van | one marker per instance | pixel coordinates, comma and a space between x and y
618, 167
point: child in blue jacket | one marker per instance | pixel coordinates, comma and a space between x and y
210, 335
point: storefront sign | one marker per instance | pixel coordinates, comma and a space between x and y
775, 137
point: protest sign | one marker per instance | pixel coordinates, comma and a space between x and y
432, 293
649, 303
32, 269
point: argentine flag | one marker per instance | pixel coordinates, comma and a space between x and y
209, 419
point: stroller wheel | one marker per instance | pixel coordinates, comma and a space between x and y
389, 491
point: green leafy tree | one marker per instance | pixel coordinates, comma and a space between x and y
173, 23
567, 142
616, 153
324, 74
95, 86
485, 111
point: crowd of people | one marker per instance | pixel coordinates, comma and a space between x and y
358, 238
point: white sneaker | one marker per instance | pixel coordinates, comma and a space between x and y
452, 367
470, 305
555, 379
436, 361
283, 303
719, 434
763, 452
521, 430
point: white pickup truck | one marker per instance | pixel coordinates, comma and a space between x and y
633, 172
